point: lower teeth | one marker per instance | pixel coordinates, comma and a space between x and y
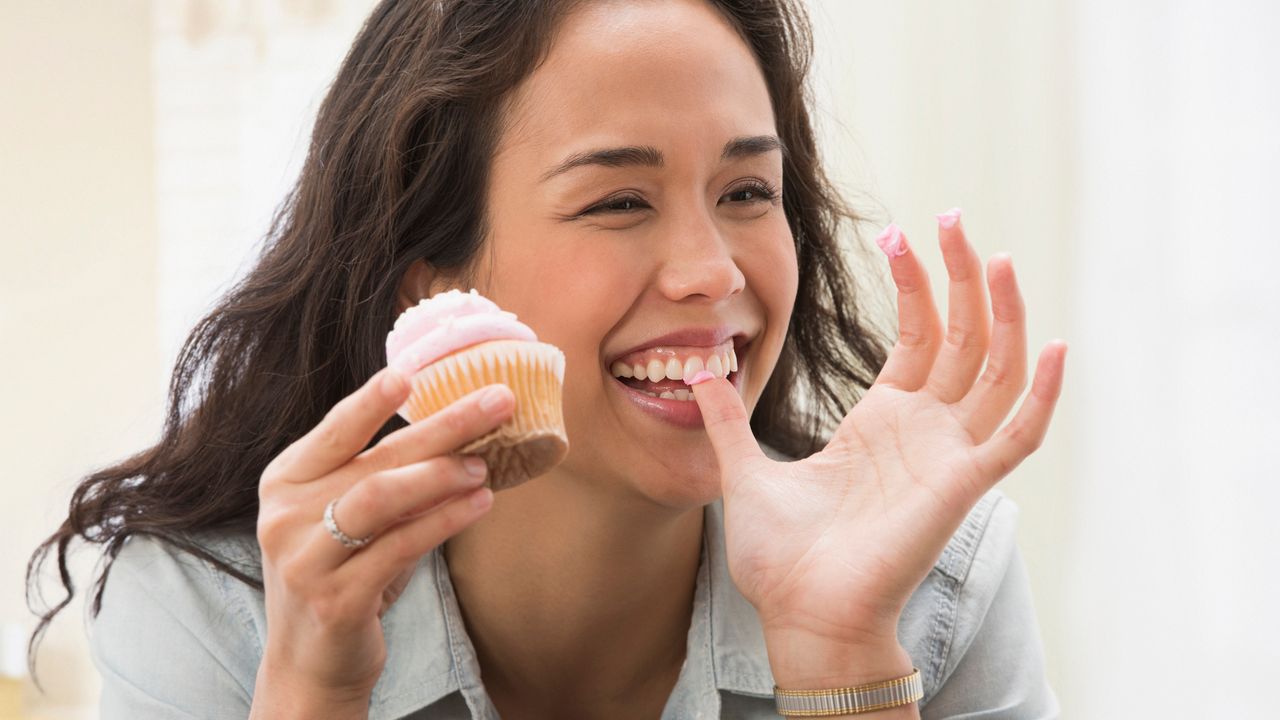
682, 395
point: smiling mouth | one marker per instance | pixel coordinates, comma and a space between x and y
659, 372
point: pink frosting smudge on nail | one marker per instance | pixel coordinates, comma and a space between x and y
891, 241
948, 219
700, 376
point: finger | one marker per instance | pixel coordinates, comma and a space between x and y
998, 456
344, 431
989, 402
968, 319
728, 425
468, 418
384, 559
384, 499
919, 326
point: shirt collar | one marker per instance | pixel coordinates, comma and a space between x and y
741, 660
430, 656
428, 653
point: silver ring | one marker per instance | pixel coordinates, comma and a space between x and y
332, 526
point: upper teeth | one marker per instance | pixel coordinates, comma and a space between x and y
719, 364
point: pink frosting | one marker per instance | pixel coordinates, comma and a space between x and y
446, 323
891, 241
948, 219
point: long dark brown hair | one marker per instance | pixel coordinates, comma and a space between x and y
396, 172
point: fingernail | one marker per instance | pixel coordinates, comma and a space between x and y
481, 498
948, 219
492, 399
892, 241
700, 376
392, 384
474, 465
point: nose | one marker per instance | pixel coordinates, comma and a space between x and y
699, 261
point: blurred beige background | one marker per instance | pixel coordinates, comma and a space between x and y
1125, 155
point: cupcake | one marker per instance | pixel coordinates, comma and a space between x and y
454, 343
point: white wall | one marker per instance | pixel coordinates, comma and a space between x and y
1125, 154
237, 86
143, 147
926, 106
77, 280
1172, 587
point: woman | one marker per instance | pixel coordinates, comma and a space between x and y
622, 176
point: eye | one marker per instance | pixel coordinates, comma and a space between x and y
752, 192
623, 204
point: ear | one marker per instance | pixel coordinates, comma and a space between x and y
421, 280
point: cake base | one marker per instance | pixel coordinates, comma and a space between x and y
529, 443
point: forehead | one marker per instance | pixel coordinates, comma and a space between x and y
670, 73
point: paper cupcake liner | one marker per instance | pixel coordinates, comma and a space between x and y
533, 440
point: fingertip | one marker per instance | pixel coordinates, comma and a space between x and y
699, 377
706, 384
1000, 273
497, 398
1062, 354
949, 219
892, 241
482, 498
393, 384
716, 398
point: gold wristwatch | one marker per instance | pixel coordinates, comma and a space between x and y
850, 700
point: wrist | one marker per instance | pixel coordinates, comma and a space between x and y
279, 693
802, 660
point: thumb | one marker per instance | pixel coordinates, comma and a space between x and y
727, 423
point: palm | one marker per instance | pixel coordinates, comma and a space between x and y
836, 543
850, 517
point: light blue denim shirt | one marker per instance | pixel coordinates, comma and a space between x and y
177, 638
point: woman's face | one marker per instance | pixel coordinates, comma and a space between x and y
631, 226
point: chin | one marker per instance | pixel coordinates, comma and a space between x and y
682, 480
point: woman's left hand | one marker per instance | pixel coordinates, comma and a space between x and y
829, 549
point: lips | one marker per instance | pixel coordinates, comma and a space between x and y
668, 401
691, 337
651, 375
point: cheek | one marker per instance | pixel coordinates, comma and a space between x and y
572, 297
772, 273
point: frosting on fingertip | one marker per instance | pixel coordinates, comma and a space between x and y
948, 219
698, 377
892, 241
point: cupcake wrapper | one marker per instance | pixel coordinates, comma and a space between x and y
533, 440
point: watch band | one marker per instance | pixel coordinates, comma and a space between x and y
850, 700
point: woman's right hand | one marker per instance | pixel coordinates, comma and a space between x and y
324, 601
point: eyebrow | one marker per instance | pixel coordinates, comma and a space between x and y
649, 156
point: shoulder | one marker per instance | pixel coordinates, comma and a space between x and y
168, 570
174, 633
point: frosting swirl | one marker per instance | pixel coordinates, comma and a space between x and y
445, 323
